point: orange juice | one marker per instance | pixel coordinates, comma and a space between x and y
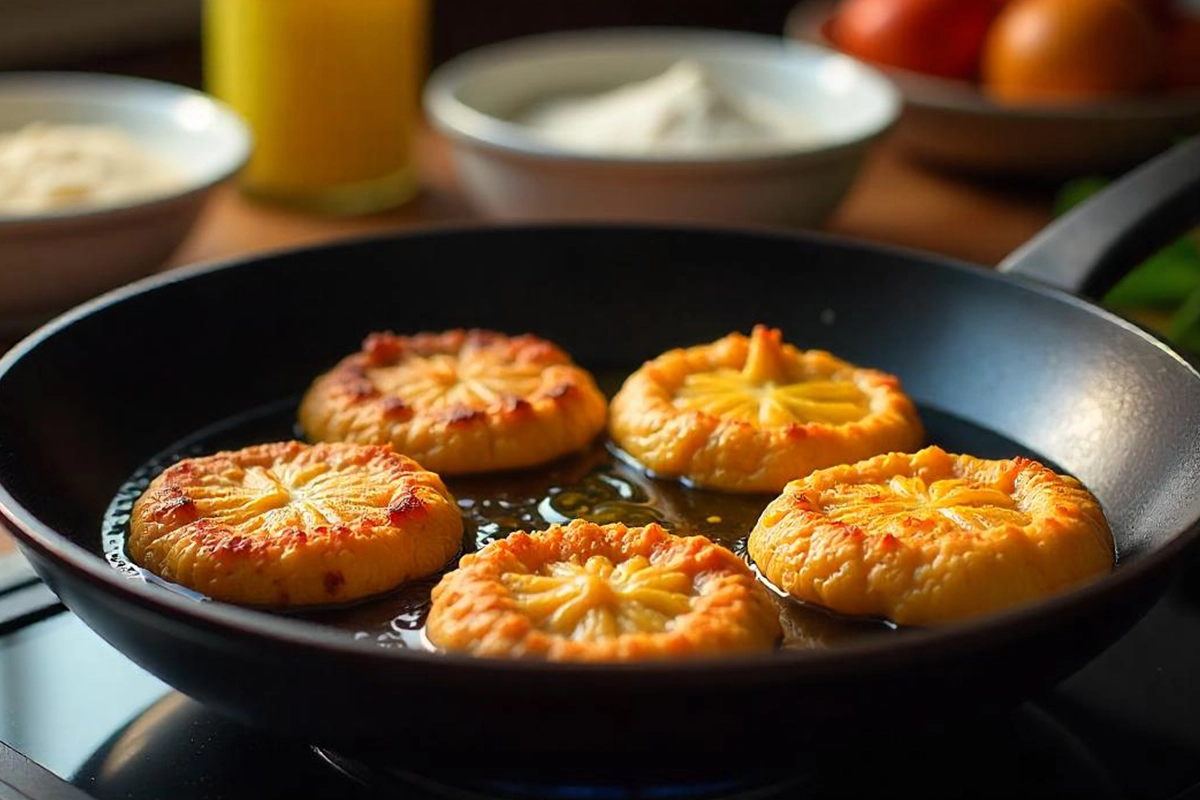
331, 91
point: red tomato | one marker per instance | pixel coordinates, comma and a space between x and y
1062, 50
937, 37
1183, 52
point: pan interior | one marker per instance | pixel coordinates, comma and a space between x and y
597, 484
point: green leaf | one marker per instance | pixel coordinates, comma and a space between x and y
1164, 280
1190, 341
1075, 192
1184, 327
1168, 280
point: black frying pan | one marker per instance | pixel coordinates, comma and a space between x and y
87, 399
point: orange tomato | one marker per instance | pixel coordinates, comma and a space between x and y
1062, 50
1183, 52
938, 37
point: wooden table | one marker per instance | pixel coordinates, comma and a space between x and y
895, 202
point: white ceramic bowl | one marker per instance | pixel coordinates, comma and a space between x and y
953, 124
51, 261
510, 172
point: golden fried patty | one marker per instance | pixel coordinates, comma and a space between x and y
931, 537
459, 402
751, 413
290, 524
588, 592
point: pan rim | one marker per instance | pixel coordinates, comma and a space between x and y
872, 655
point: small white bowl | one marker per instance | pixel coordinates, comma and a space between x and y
511, 172
53, 260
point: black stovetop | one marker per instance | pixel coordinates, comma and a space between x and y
1126, 726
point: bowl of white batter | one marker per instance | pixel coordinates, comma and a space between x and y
101, 178
659, 125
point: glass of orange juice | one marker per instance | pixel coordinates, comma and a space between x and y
330, 89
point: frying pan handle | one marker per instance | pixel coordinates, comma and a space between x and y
1091, 247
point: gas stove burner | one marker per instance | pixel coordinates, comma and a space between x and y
1123, 727
406, 783
1050, 756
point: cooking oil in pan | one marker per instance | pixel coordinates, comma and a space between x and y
599, 485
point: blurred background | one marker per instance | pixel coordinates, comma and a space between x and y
1009, 112
132, 35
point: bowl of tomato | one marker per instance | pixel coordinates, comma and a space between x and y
1026, 88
